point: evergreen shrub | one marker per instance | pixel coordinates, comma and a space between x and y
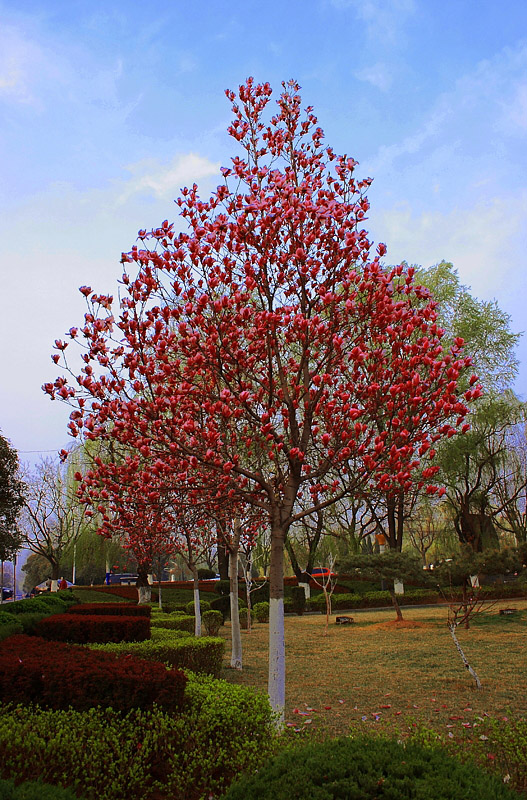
221, 731
222, 604
203, 654
364, 768
176, 622
204, 605
244, 618
212, 621
261, 612
31, 605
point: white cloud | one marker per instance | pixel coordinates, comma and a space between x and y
383, 18
20, 61
480, 240
379, 75
164, 181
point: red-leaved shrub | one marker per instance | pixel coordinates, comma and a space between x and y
81, 628
111, 609
63, 675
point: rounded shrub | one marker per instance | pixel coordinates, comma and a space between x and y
223, 587
206, 574
368, 768
212, 621
261, 612
203, 604
222, 604
30, 606
243, 612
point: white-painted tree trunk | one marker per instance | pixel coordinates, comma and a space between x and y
236, 636
307, 589
452, 629
197, 609
276, 684
145, 595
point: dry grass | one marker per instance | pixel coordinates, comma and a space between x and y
380, 674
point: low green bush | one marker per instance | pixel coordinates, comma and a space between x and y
364, 768
212, 621
497, 746
203, 654
261, 612
10, 629
29, 622
244, 619
31, 605
260, 592
204, 605
223, 605
34, 790
205, 574
175, 622
223, 588
222, 731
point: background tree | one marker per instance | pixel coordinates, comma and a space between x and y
390, 566
52, 517
12, 493
254, 354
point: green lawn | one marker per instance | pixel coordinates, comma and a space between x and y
380, 674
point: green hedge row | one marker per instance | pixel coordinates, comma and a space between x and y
199, 655
174, 622
221, 732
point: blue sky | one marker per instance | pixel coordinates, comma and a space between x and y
108, 109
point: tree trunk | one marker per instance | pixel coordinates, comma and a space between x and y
236, 636
276, 682
248, 588
55, 568
396, 605
144, 590
452, 629
197, 607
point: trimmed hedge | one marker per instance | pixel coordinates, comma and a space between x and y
368, 768
9, 629
203, 654
67, 675
204, 605
32, 605
111, 609
34, 790
81, 628
261, 612
212, 621
221, 731
175, 622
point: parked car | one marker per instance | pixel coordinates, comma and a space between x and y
322, 572
6, 593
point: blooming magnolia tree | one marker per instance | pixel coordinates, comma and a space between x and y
263, 355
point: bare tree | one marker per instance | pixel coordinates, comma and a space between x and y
52, 517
